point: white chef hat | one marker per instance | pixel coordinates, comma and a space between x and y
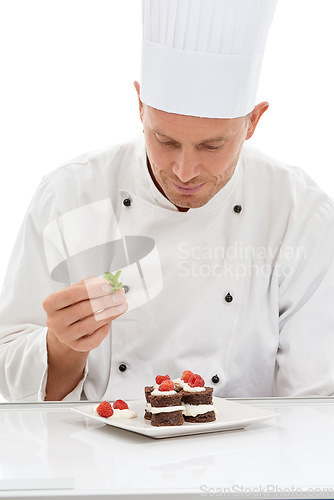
203, 57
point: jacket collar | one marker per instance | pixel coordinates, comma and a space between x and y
146, 189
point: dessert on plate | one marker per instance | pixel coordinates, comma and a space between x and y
197, 400
148, 390
163, 405
190, 395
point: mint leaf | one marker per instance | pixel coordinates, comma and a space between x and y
113, 280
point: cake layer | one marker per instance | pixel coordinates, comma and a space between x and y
198, 398
166, 400
209, 416
170, 418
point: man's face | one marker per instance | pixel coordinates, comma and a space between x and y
191, 158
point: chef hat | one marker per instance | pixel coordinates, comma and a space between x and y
203, 57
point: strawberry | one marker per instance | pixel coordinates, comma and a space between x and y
119, 404
186, 375
166, 385
196, 381
161, 378
104, 409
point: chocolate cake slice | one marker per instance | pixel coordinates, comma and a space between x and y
166, 409
159, 379
198, 405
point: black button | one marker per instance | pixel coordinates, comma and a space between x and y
122, 367
126, 288
215, 379
237, 209
127, 202
228, 297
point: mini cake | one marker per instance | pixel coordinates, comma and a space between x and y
197, 401
165, 405
148, 390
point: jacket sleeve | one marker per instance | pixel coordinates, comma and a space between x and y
305, 359
23, 353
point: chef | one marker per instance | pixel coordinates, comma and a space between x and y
226, 255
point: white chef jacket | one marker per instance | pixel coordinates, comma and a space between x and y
243, 287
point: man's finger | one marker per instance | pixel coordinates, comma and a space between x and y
86, 289
111, 312
85, 308
85, 344
80, 329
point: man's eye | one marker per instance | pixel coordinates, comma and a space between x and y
166, 143
212, 148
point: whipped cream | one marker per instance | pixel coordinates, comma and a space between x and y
179, 382
124, 414
156, 392
162, 409
187, 388
187, 410
193, 410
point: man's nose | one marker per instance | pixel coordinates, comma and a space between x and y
186, 166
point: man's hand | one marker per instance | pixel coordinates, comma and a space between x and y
78, 319
73, 313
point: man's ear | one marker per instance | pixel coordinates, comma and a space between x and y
141, 107
255, 117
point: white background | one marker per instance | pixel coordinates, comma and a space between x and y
67, 68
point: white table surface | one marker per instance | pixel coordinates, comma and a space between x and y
48, 451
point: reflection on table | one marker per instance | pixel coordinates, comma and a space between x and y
46, 441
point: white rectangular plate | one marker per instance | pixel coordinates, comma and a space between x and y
230, 416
